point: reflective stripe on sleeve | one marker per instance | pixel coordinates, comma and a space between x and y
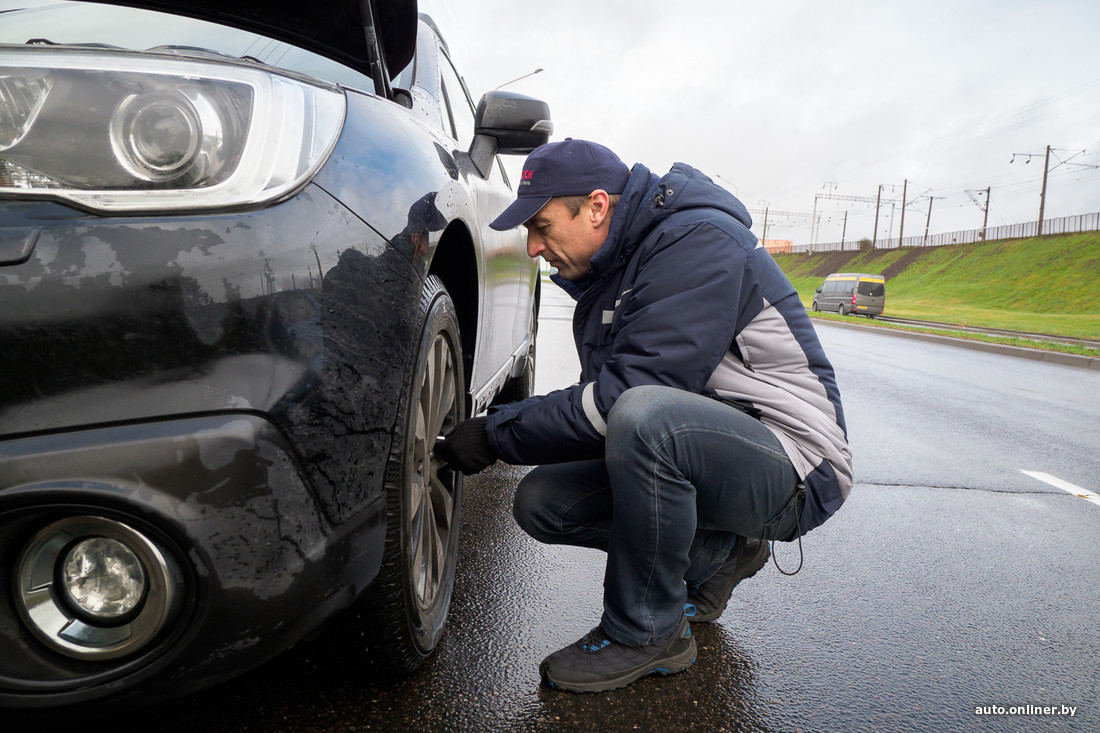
588, 401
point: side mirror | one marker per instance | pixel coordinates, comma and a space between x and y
817, 290
508, 123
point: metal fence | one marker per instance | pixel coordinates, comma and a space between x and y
1064, 225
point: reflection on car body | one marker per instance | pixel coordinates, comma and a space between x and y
246, 280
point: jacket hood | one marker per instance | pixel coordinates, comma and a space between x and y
681, 189
648, 200
337, 29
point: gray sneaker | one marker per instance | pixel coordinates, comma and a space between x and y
596, 663
709, 600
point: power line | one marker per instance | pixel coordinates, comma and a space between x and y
1053, 105
1046, 172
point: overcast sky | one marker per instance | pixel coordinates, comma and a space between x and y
788, 102
780, 101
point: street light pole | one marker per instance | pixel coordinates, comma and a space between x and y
901, 231
985, 220
1043, 195
878, 201
928, 221
1046, 170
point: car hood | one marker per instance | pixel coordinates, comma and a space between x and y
337, 29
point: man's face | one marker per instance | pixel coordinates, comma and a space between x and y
567, 242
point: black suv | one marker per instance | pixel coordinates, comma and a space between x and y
246, 281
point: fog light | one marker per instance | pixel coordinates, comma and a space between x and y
103, 578
94, 588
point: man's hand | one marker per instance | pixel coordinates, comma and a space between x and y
467, 447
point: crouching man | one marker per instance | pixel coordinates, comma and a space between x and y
707, 421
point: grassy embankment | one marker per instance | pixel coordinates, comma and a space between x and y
1042, 285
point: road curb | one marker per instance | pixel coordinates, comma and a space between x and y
1051, 357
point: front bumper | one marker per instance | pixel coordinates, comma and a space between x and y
224, 495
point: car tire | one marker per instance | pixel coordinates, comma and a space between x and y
840, 310
402, 615
816, 309
523, 386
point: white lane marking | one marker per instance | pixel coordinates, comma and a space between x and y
1064, 485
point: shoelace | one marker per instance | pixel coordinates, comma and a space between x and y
595, 640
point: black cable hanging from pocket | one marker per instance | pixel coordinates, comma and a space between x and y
800, 497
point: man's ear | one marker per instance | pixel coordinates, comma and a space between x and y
599, 206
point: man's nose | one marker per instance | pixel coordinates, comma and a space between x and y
535, 247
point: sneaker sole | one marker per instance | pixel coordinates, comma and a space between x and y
750, 570
672, 665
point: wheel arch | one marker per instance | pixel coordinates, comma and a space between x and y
455, 263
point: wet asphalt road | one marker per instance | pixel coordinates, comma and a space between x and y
949, 581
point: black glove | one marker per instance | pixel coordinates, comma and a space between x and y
467, 447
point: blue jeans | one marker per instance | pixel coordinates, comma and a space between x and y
683, 475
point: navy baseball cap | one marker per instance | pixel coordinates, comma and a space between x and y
568, 168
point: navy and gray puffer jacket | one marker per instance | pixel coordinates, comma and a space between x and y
681, 294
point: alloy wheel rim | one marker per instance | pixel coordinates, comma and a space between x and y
432, 488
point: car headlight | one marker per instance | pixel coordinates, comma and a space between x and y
94, 588
120, 131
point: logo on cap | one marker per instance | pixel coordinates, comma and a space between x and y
569, 168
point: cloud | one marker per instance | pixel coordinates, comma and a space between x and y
788, 100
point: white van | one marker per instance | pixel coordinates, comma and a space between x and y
852, 292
